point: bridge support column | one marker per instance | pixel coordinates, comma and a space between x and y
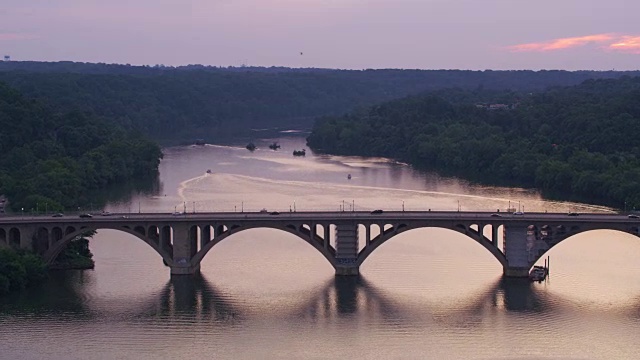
185, 246
347, 250
516, 250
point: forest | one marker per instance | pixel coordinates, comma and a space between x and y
573, 143
174, 105
52, 159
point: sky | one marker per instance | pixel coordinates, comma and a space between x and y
345, 34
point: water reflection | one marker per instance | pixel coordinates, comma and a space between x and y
186, 296
344, 297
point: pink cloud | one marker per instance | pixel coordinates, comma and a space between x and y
563, 43
630, 44
16, 36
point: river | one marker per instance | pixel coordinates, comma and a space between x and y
264, 294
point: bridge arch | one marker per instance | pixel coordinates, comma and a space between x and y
3, 237
71, 233
571, 232
461, 228
294, 229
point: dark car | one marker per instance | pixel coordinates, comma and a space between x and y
633, 216
378, 211
274, 213
57, 215
496, 215
573, 214
86, 215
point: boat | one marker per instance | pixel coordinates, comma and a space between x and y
200, 142
538, 273
299, 152
251, 146
209, 171
349, 176
274, 146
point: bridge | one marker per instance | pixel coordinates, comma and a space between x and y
184, 240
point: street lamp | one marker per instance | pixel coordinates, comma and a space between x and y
402, 205
22, 212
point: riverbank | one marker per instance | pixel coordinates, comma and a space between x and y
76, 256
20, 269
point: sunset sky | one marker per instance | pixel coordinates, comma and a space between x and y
352, 34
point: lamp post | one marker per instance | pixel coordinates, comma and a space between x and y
22, 209
402, 205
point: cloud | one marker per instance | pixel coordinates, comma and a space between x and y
564, 43
630, 44
16, 37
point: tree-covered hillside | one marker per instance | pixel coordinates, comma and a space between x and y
180, 104
56, 158
580, 142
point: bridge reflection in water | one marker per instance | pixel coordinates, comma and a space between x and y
196, 298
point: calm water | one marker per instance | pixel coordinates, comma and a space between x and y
428, 293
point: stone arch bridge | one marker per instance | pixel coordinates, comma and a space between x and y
516, 241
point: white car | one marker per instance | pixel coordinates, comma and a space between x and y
518, 213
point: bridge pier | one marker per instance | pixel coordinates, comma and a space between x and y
185, 270
185, 246
516, 249
347, 250
515, 272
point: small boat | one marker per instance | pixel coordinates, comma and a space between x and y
200, 142
538, 273
274, 146
299, 152
209, 171
251, 146
349, 176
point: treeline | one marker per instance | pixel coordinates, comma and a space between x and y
174, 105
19, 269
51, 159
574, 143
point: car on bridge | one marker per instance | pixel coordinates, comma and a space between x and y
377, 211
496, 215
274, 213
518, 213
86, 216
573, 214
57, 215
633, 216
